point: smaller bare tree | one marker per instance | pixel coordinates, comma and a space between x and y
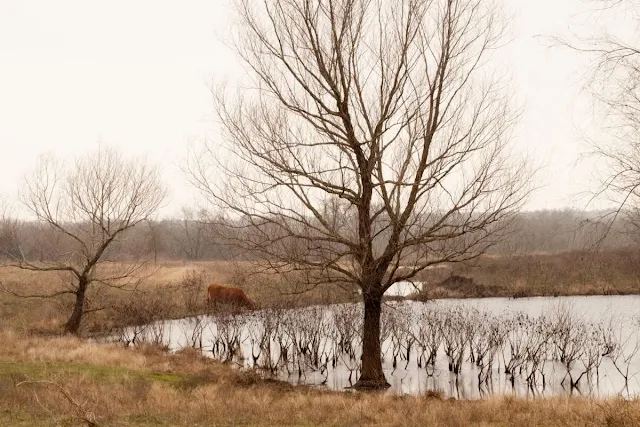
89, 205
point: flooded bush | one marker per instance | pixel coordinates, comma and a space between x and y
555, 349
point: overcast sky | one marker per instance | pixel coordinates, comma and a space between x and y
134, 74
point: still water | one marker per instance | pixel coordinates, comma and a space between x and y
547, 343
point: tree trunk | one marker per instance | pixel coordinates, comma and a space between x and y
73, 324
371, 374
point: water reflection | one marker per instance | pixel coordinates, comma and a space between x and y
462, 348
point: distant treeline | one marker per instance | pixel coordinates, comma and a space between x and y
194, 237
557, 231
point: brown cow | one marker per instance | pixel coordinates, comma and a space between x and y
234, 297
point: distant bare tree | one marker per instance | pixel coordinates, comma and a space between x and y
189, 234
89, 205
9, 227
372, 135
154, 238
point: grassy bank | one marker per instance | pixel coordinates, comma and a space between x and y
66, 381
569, 273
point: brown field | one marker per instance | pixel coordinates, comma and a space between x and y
177, 289
66, 381
569, 273
169, 290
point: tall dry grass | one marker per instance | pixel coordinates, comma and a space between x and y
569, 273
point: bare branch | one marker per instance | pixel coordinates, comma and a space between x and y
613, 80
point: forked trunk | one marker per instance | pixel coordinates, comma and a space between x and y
73, 324
371, 374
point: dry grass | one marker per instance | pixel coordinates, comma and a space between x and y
570, 273
162, 292
114, 386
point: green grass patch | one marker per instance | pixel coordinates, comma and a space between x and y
46, 370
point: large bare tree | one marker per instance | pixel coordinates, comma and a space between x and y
370, 143
89, 205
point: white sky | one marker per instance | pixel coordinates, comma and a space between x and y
135, 74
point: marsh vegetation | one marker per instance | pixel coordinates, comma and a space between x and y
470, 349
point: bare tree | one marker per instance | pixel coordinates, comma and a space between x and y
9, 227
372, 134
189, 234
154, 238
613, 80
89, 205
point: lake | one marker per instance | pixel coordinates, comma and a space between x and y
465, 349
